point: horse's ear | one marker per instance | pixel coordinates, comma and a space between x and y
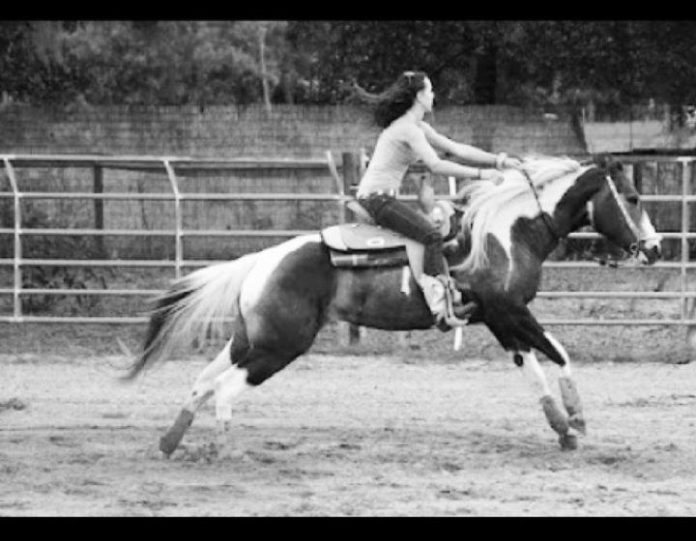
602, 160
608, 162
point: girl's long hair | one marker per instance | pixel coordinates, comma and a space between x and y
396, 99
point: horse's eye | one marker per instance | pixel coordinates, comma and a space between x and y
632, 199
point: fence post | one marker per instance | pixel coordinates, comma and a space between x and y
688, 177
684, 245
350, 167
17, 260
638, 176
178, 221
98, 172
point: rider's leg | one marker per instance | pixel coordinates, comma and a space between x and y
435, 266
396, 215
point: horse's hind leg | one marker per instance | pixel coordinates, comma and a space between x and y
257, 366
202, 390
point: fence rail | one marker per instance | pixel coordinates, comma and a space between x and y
339, 190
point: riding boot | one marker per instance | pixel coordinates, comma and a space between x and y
434, 293
460, 309
440, 292
457, 312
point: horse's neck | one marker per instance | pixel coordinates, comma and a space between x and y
544, 236
567, 215
547, 230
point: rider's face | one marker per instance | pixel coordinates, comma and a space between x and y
426, 96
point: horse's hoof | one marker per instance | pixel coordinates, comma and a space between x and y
578, 423
170, 441
168, 444
569, 442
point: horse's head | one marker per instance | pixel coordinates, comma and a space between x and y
616, 212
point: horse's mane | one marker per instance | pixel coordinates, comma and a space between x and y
485, 201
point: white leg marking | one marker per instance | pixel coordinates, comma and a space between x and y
565, 369
534, 374
227, 386
204, 386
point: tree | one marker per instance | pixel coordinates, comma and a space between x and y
164, 62
546, 64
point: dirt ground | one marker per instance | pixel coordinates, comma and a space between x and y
346, 436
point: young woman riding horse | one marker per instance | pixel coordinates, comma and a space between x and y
279, 298
405, 139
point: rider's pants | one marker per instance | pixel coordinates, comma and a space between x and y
393, 214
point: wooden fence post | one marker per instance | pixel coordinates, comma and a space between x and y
99, 210
350, 168
638, 176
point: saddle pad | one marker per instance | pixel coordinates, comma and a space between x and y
361, 237
390, 258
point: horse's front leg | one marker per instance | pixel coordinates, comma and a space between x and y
556, 417
569, 390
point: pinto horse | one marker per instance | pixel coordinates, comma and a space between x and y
272, 303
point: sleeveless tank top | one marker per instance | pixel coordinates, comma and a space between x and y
392, 157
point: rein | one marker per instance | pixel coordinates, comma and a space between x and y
633, 248
548, 220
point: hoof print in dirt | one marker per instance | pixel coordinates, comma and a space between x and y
12, 404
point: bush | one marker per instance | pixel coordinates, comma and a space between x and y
56, 276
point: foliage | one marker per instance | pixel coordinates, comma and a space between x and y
122, 62
56, 276
539, 63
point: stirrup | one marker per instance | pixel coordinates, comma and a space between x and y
462, 318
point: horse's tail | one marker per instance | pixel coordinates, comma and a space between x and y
196, 307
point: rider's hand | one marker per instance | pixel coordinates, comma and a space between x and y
503, 161
495, 176
512, 163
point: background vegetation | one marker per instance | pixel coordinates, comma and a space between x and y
552, 64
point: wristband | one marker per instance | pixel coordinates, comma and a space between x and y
500, 159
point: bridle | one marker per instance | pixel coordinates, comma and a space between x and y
634, 247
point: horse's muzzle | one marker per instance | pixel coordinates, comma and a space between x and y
649, 251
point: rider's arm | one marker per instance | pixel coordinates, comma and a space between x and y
436, 165
464, 152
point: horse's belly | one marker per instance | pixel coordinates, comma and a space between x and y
382, 298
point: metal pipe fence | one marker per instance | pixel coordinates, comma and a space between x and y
339, 190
